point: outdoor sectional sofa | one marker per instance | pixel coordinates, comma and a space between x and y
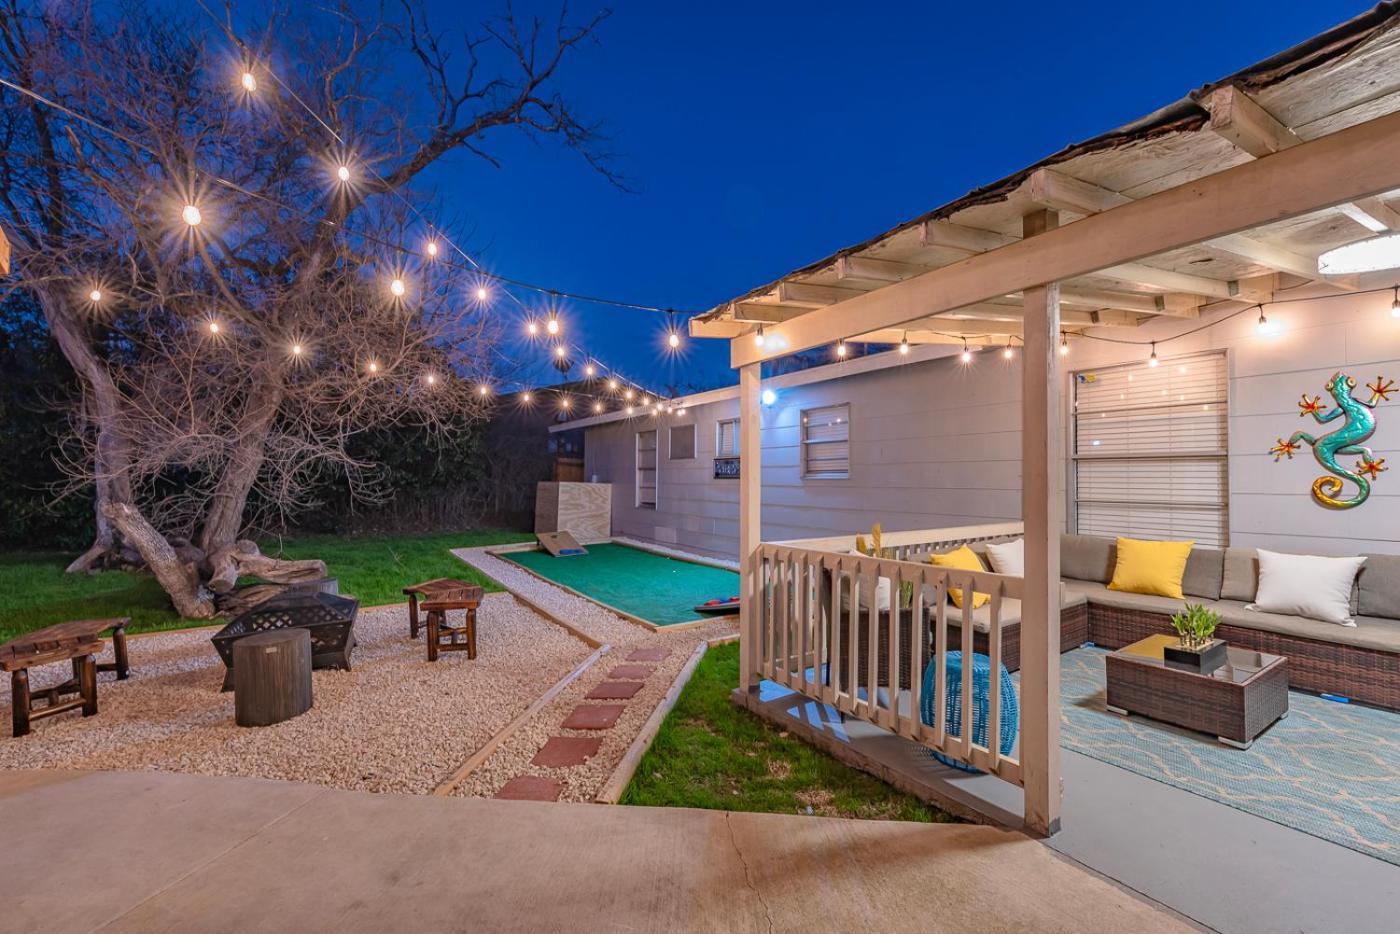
1361, 663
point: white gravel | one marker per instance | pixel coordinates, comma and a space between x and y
395, 723
582, 783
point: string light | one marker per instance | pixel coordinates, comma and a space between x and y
1009, 352
432, 249
559, 352
646, 401
552, 325
904, 345
1064, 344
673, 340
297, 350
532, 329
212, 327
95, 295
673, 337
1395, 304
1265, 326
481, 293
841, 349
612, 384
758, 337
564, 403
1152, 360
526, 398
430, 379
629, 410
373, 366
966, 352
483, 390
250, 83
590, 370
343, 173
628, 395
398, 288
191, 215
597, 406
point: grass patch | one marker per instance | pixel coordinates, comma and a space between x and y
35, 592
712, 754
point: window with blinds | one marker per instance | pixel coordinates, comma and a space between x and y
682, 442
646, 469
826, 442
727, 438
1149, 449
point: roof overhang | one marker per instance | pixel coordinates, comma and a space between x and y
1221, 200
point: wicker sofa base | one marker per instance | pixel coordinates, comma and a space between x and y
1366, 675
1074, 632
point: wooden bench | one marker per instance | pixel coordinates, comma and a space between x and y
466, 598
78, 641
426, 591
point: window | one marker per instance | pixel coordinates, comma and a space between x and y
1149, 448
646, 469
826, 442
727, 438
682, 442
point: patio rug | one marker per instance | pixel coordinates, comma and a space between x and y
1328, 769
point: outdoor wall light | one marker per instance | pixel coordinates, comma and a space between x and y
768, 397
1381, 252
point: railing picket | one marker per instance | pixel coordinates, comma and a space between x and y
967, 655
940, 658
917, 637
872, 649
833, 664
994, 679
896, 585
781, 617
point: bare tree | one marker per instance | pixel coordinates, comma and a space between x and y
239, 347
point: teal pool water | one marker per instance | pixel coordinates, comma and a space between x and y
661, 590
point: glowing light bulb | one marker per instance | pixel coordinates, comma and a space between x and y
481, 293
612, 384
646, 401
630, 410
628, 394
373, 367
597, 406
559, 352
213, 327
966, 352
1152, 360
904, 345
552, 325
250, 83
526, 398
758, 338
297, 350
768, 397
564, 403
673, 340
590, 370
343, 173
191, 215
1008, 353
1395, 304
1064, 345
483, 390
841, 350
432, 248
95, 295
1265, 326
532, 329
398, 288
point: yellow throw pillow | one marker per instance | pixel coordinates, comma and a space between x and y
963, 559
1150, 567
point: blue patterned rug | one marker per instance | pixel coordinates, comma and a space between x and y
1328, 769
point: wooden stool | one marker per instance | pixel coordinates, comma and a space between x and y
272, 676
427, 590
18, 656
466, 598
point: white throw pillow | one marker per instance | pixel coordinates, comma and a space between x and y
1008, 557
1306, 585
882, 592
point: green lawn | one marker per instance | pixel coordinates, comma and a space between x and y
35, 592
710, 753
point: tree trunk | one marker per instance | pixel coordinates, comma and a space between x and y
179, 579
243, 559
224, 520
101, 407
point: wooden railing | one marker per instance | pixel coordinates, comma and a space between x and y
860, 633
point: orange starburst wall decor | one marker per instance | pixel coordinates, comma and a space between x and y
1381, 389
1284, 449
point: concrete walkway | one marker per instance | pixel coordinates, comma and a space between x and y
158, 851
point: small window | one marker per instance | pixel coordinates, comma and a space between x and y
727, 438
682, 442
826, 442
646, 469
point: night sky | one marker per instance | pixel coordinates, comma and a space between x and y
762, 136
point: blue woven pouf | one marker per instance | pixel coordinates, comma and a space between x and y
981, 680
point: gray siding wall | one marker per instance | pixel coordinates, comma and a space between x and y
938, 443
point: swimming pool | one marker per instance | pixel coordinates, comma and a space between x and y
651, 587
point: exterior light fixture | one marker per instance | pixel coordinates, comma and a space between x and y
191, 215
768, 397
552, 325
904, 345
1009, 352
1368, 255
758, 337
1265, 326
841, 349
966, 352
673, 340
1064, 344
1152, 360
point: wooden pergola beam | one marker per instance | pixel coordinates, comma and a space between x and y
1359, 162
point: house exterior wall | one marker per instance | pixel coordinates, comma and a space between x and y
937, 443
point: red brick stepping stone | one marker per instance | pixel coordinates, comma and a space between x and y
563, 751
630, 672
530, 788
615, 690
648, 655
594, 716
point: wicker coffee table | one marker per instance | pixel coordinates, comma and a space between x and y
1234, 703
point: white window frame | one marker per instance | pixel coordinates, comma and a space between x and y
806, 444
719, 438
1076, 457
639, 470
671, 443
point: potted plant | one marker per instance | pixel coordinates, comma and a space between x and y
1196, 646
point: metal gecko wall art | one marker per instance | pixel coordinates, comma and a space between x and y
1359, 423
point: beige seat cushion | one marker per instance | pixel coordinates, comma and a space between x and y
1099, 594
1010, 611
1370, 632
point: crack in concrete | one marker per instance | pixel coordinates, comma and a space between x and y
748, 879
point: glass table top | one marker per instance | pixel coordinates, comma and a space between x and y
1240, 664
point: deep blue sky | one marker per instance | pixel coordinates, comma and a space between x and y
761, 136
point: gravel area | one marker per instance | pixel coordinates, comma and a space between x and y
582, 783
394, 724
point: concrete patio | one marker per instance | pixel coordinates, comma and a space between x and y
155, 851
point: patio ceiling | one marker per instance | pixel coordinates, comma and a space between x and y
1338, 81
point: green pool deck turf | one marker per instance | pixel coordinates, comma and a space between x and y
665, 591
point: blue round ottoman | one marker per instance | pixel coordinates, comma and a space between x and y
981, 685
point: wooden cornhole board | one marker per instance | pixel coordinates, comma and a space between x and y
561, 544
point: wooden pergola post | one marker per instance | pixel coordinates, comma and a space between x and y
750, 521
1042, 510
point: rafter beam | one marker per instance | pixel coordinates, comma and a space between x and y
1358, 162
763, 313
814, 296
1060, 192
1242, 120
876, 270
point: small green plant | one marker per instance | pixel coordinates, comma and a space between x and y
1195, 625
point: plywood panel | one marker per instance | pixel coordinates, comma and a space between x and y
583, 509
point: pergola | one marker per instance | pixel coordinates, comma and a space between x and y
1220, 201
